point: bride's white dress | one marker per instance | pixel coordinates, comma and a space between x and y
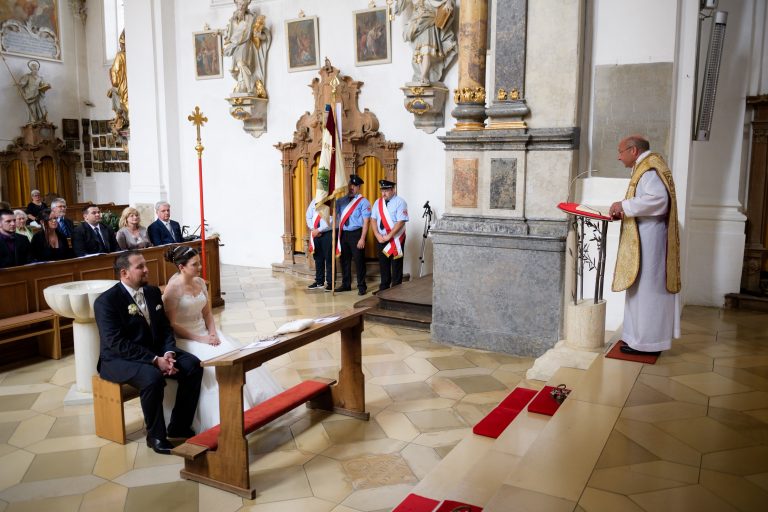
259, 383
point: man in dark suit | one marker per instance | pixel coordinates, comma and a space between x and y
14, 248
138, 348
91, 236
63, 225
164, 230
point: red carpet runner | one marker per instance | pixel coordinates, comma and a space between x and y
416, 503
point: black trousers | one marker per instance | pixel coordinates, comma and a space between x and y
322, 255
349, 252
150, 382
391, 269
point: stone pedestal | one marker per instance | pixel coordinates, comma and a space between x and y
75, 300
251, 110
585, 324
426, 103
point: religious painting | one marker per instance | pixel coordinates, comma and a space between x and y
303, 44
70, 128
464, 189
208, 55
373, 37
30, 28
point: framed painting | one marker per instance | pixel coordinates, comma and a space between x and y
303, 43
373, 37
30, 28
208, 55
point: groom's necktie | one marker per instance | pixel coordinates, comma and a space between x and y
142, 304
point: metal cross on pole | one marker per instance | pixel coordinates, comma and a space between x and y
199, 120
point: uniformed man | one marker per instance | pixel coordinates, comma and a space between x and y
353, 212
388, 217
321, 247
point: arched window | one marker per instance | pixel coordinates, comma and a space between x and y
114, 22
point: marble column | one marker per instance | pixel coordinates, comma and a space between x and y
154, 114
509, 106
473, 44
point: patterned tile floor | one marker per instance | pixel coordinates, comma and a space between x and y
693, 434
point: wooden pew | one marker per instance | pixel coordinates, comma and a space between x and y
21, 288
223, 462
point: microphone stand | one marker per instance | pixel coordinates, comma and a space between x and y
428, 215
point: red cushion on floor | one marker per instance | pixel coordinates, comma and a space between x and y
616, 353
544, 403
416, 503
266, 411
450, 506
500, 418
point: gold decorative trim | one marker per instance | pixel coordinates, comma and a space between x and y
417, 91
501, 95
507, 125
469, 95
418, 106
464, 126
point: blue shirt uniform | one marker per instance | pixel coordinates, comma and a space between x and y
323, 226
359, 215
398, 211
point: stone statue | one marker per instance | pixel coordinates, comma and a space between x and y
247, 41
118, 77
429, 29
33, 87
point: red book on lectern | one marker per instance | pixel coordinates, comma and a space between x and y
583, 210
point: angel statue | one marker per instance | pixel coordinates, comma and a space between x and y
118, 77
429, 29
33, 87
247, 40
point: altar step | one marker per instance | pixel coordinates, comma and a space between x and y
408, 304
539, 462
744, 301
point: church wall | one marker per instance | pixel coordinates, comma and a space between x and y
63, 99
243, 184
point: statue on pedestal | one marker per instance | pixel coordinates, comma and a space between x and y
33, 87
429, 29
118, 77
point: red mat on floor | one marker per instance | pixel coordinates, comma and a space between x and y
500, 418
416, 503
616, 353
544, 403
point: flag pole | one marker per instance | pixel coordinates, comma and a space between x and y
334, 84
198, 120
333, 250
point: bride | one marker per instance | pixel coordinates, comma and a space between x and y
186, 305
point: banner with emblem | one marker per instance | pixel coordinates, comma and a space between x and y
331, 179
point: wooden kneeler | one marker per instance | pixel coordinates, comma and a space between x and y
219, 456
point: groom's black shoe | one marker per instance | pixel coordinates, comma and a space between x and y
161, 446
626, 349
183, 433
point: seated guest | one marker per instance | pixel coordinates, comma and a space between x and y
36, 206
14, 248
63, 224
132, 235
164, 230
91, 236
21, 224
49, 244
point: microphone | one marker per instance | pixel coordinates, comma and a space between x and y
570, 185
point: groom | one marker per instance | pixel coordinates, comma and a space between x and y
138, 348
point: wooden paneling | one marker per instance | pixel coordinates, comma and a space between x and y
40, 284
14, 294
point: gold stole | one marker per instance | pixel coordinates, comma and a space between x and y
628, 258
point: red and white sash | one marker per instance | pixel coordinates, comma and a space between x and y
345, 214
315, 225
394, 248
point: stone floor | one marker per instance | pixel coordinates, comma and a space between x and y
691, 436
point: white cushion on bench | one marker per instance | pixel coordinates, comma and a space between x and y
295, 326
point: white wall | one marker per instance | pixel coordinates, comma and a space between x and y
243, 176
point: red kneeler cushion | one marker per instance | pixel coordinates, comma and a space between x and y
416, 503
450, 506
544, 403
266, 411
616, 353
500, 418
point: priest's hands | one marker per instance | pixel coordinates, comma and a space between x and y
616, 210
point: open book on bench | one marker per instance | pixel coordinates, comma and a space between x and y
583, 210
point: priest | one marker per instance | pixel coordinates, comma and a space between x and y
648, 260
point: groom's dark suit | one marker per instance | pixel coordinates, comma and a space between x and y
128, 349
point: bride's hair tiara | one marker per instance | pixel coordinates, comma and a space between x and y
180, 255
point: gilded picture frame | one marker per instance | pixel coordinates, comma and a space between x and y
373, 37
303, 43
209, 61
30, 29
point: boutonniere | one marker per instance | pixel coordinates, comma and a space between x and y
133, 309
158, 307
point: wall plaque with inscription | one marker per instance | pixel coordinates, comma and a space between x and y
30, 29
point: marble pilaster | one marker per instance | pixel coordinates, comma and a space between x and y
470, 94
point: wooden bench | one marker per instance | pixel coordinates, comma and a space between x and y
41, 324
108, 411
219, 456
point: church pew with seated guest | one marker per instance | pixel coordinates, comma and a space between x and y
132, 235
164, 230
59, 211
35, 206
92, 236
48, 244
21, 224
14, 248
